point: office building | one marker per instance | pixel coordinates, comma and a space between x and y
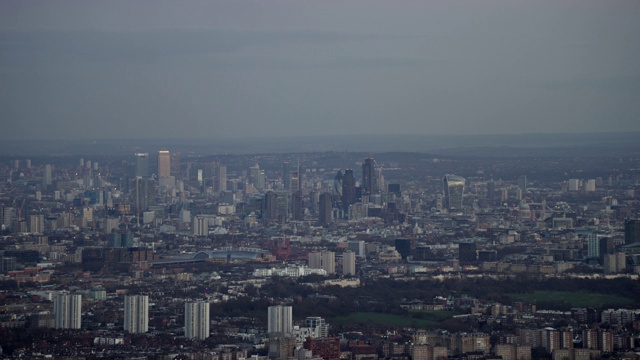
466, 253
142, 165
453, 192
574, 184
220, 178
176, 165
136, 313
336, 191
294, 182
270, 207
369, 177
68, 311
631, 231
348, 190
286, 176
325, 216
280, 319
297, 206
164, 163
357, 246
522, 183
349, 263
404, 247
196, 320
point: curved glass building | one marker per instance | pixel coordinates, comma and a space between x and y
453, 191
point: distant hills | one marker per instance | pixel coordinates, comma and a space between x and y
522, 145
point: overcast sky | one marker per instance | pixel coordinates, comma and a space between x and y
211, 69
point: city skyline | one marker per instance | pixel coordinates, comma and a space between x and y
225, 69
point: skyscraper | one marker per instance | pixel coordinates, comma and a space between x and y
68, 311
196, 320
220, 183
164, 164
280, 319
136, 313
142, 165
294, 183
297, 207
453, 192
369, 177
47, 176
270, 210
324, 214
348, 190
175, 165
286, 177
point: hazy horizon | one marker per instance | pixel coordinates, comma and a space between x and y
283, 68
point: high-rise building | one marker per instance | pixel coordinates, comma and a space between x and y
522, 183
36, 223
270, 207
200, 226
404, 247
6, 216
68, 311
467, 253
574, 184
175, 165
47, 176
324, 214
136, 313
319, 327
142, 165
369, 177
280, 319
164, 163
349, 263
220, 183
196, 320
453, 192
294, 182
286, 177
325, 260
348, 190
297, 207
631, 231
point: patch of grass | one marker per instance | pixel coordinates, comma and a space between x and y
432, 315
431, 319
575, 299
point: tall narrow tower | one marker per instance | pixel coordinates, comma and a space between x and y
164, 163
142, 165
280, 320
68, 311
136, 313
196, 320
369, 177
348, 190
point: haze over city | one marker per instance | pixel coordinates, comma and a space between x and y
219, 69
